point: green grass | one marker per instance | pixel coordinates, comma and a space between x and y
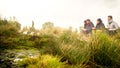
44, 61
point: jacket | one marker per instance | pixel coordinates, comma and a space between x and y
100, 26
112, 26
88, 28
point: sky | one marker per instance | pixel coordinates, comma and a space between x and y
62, 13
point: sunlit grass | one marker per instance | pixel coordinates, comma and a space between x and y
44, 61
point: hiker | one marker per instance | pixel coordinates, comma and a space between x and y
99, 25
87, 26
85, 23
112, 26
90, 23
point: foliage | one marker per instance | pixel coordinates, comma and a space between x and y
75, 54
44, 61
48, 25
105, 51
97, 51
8, 27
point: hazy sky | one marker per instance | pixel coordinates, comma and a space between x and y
63, 13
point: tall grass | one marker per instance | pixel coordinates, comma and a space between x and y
73, 50
105, 51
75, 54
101, 50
